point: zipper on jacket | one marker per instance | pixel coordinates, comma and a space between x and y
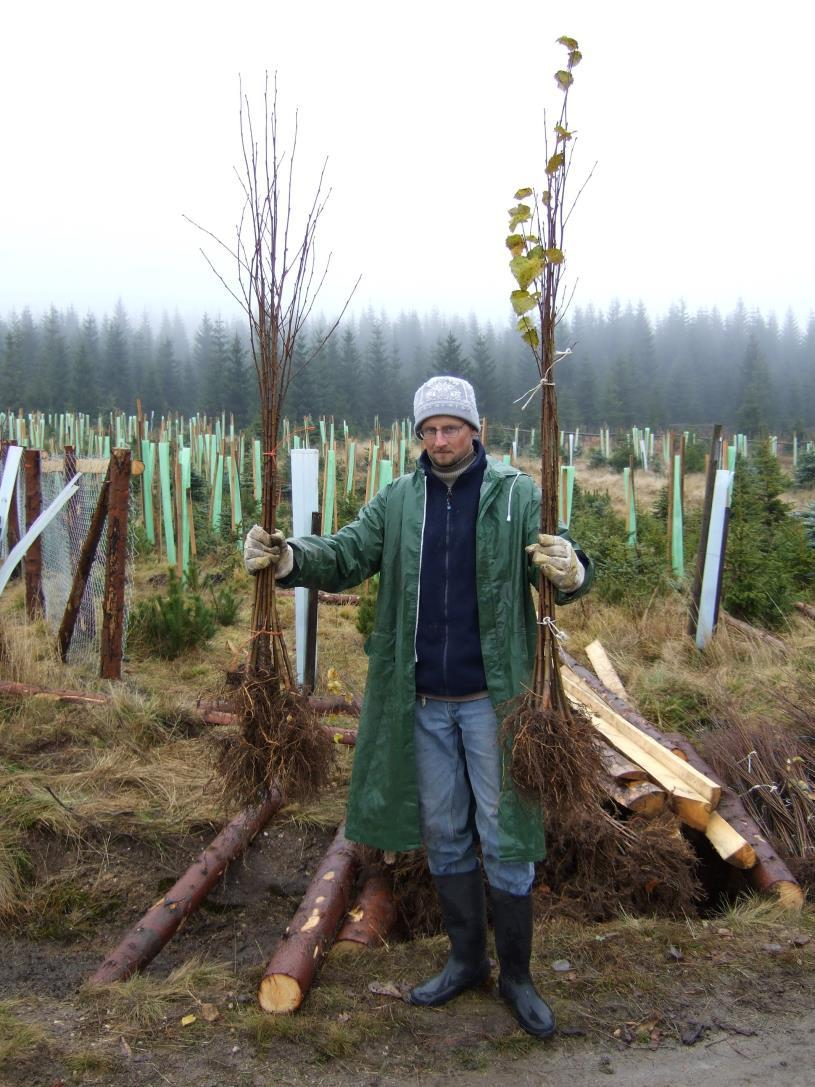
447, 543
419, 577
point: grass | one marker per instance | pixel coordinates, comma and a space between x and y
144, 1000
19, 1039
79, 784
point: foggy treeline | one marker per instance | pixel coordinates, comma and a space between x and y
745, 370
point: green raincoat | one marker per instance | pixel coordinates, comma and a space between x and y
383, 806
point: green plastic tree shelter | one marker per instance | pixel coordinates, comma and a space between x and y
329, 492
350, 459
566, 494
166, 501
148, 456
630, 506
677, 523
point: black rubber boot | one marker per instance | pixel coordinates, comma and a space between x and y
464, 908
512, 921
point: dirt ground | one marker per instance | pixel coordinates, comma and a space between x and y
738, 1008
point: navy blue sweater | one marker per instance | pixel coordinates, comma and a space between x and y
448, 644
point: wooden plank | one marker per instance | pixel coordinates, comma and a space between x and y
606, 672
729, 844
618, 729
692, 808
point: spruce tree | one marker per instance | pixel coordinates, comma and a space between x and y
449, 358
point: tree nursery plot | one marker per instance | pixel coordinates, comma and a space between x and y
663, 962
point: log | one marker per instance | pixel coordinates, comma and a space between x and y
643, 797
372, 918
326, 598
805, 609
29, 690
753, 632
304, 944
769, 874
606, 672
222, 711
143, 942
619, 768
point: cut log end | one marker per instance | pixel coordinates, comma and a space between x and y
789, 895
278, 994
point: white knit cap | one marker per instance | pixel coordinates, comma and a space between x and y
445, 396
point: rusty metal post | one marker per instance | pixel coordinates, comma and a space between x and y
113, 602
34, 601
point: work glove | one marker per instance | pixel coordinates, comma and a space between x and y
558, 560
260, 549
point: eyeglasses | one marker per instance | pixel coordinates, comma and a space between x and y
430, 433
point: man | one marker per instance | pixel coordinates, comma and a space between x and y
456, 544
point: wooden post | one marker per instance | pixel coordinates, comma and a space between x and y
113, 603
310, 664
34, 602
83, 569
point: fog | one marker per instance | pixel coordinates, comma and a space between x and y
121, 120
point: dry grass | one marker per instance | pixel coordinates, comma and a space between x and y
144, 1000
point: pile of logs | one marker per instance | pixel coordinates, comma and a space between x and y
647, 771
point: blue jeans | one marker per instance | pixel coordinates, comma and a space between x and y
458, 766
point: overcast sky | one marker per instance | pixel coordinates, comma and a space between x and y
120, 118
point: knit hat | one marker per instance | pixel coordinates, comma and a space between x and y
445, 396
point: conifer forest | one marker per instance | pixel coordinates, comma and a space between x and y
748, 370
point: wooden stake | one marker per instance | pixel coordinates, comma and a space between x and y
113, 603
34, 601
83, 570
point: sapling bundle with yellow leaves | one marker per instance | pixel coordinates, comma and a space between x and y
554, 756
281, 741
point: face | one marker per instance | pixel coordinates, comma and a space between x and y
444, 451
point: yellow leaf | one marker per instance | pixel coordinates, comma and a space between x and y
525, 269
522, 194
515, 244
562, 133
522, 302
555, 256
564, 79
575, 56
555, 162
187, 1019
570, 43
520, 214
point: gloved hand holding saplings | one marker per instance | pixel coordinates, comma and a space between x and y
558, 560
262, 549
